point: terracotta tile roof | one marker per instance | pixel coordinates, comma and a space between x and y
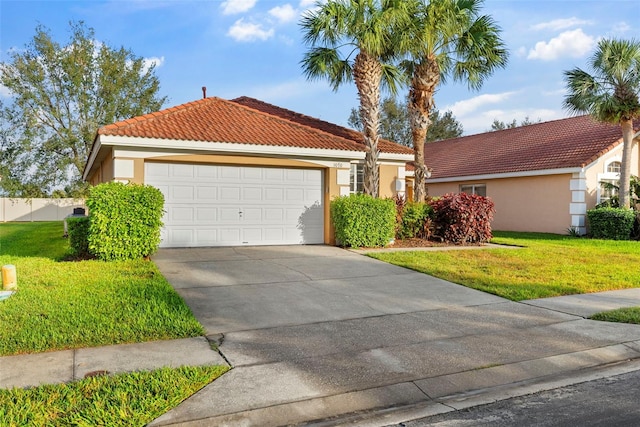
383, 145
217, 120
567, 143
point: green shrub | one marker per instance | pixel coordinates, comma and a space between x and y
78, 228
125, 220
363, 221
414, 220
611, 223
463, 218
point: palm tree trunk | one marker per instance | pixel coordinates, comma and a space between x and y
625, 170
426, 77
367, 73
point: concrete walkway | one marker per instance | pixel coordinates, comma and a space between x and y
319, 334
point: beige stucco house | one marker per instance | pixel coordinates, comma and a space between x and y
240, 172
542, 177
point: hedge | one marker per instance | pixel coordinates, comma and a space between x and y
78, 230
611, 223
125, 220
363, 221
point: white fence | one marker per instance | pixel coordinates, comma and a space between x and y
37, 209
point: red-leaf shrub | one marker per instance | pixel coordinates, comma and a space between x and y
463, 218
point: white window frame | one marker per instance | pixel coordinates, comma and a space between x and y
356, 178
473, 188
607, 176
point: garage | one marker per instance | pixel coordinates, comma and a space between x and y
227, 205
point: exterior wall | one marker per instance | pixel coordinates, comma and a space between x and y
128, 166
27, 210
540, 203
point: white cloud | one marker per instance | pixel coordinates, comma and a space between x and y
284, 13
307, 3
232, 7
247, 32
287, 90
574, 44
154, 60
481, 122
560, 24
467, 106
621, 28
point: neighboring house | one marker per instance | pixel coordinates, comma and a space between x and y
542, 177
240, 172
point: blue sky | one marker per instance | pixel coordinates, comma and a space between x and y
254, 47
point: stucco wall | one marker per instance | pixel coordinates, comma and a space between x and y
129, 166
524, 204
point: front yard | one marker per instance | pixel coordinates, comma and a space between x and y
73, 304
544, 265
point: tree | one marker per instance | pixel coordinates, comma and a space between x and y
60, 95
448, 38
610, 95
500, 125
338, 29
394, 123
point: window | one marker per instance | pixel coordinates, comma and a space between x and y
477, 189
613, 167
356, 178
608, 189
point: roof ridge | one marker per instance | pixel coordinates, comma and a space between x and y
290, 122
307, 117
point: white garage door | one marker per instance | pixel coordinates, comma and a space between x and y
215, 205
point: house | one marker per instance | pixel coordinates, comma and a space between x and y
542, 177
240, 172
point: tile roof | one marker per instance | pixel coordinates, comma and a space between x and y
353, 135
217, 120
567, 143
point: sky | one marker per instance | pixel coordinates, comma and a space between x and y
254, 48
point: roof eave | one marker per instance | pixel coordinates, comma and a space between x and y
502, 175
235, 148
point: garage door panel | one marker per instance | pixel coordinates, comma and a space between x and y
181, 193
182, 171
206, 193
206, 236
181, 214
206, 214
251, 194
230, 194
180, 236
219, 205
207, 172
230, 173
229, 215
252, 216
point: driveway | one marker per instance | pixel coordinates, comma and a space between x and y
315, 332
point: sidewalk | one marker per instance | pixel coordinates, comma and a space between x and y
70, 365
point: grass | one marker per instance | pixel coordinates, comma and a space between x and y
64, 305
545, 265
621, 315
123, 400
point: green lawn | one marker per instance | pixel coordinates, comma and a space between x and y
122, 400
545, 265
74, 304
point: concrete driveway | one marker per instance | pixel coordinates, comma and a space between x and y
315, 332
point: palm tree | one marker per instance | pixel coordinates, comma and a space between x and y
449, 38
336, 31
610, 95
